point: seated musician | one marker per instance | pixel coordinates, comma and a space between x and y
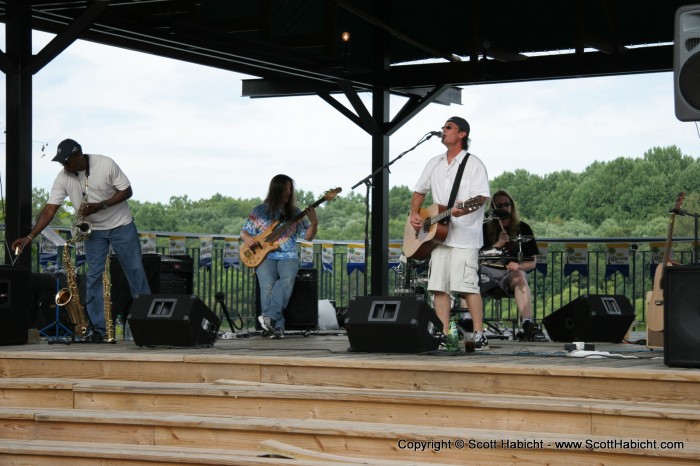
505, 274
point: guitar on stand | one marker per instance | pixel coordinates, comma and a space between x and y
267, 240
433, 231
655, 298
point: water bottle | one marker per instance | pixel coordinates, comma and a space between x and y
452, 336
119, 328
127, 331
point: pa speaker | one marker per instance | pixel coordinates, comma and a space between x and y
172, 320
682, 316
392, 324
686, 63
15, 305
591, 317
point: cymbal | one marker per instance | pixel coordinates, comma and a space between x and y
521, 238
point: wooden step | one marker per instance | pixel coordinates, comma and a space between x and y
402, 372
353, 439
508, 412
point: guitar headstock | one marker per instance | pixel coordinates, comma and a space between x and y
332, 193
678, 203
470, 204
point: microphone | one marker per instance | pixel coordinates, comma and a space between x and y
435, 133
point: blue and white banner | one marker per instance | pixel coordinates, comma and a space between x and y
356, 258
617, 259
541, 264
394, 255
576, 259
177, 245
148, 243
327, 256
206, 247
48, 255
231, 248
306, 254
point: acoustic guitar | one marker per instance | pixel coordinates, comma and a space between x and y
419, 244
655, 305
267, 240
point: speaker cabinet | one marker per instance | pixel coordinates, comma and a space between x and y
172, 320
591, 318
682, 316
392, 324
120, 292
686, 63
15, 305
301, 312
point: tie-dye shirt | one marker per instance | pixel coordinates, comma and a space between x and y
258, 221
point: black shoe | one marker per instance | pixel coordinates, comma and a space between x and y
94, 337
532, 332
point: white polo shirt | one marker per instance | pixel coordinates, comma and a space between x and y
106, 178
438, 177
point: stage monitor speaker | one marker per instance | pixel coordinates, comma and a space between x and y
590, 318
686, 63
15, 305
392, 324
682, 316
172, 320
301, 312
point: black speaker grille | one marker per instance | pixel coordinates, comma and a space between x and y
682, 316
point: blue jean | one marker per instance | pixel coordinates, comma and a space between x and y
124, 240
276, 279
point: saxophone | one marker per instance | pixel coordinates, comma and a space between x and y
69, 297
81, 227
107, 294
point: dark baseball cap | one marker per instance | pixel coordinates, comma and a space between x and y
66, 148
461, 122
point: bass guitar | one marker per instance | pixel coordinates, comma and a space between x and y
267, 240
433, 231
655, 304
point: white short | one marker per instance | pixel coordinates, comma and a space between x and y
454, 270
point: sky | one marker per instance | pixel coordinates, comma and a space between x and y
179, 129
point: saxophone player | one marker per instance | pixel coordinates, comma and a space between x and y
99, 190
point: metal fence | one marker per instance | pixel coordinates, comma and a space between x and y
551, 289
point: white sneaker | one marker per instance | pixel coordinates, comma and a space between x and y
266, 324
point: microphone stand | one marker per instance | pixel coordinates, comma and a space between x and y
367, 181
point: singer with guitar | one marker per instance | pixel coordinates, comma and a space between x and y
451, 177
277, 272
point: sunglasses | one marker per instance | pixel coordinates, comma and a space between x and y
500, 205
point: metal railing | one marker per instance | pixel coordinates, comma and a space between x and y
551, 290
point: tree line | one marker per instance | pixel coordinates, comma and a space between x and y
625, 197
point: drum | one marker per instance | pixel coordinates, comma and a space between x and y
491, 257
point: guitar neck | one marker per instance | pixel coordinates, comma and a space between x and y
286, 225
448, 212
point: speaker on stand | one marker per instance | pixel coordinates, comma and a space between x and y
686, 63
682, 316
590, 318
392, 324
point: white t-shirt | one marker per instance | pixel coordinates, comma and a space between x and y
438, 177
106, 178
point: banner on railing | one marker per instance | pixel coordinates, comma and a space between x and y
231, 258
394, 255
148, 243
576, 259
617, 259
356, 258
206, 245
327, 256
541, 265
177, 246
80, 257
48, 255
656, 256
306, 250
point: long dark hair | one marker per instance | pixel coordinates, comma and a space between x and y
275, 199
493, 228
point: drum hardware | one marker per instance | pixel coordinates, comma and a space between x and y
521, 238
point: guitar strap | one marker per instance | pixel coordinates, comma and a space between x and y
458, 180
